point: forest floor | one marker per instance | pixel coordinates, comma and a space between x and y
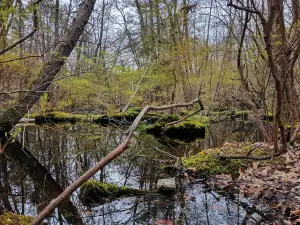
272, 184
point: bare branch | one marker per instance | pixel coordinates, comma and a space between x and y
243, 8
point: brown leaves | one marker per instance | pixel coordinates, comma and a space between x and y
276, 183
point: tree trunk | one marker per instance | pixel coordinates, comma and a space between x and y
10, 117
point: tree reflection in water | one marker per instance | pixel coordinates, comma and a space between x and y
69, 150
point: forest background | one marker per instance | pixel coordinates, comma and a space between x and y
233, 55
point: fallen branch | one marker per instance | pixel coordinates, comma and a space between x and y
249, 156
40, 175
111, 156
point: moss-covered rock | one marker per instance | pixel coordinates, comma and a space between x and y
207, 162
94, 192
15, 219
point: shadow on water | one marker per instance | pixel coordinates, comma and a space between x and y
69, 150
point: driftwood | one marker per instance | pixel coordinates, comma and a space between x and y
111, 156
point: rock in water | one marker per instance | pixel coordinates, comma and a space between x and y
167, 184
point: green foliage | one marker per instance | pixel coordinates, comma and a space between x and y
43, 103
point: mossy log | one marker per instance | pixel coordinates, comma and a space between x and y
184, 132
125, 119
57, 117
95, 192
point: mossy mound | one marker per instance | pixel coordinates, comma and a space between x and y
184, 132
187, 131
13, 219
95, 192
207, 162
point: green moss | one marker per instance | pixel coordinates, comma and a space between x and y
207, 163
222, 113
13, 219
230, 114
242, 113
61, 117
95, 192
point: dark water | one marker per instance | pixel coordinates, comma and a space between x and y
69, 150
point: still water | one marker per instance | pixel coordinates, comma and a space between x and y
69, 150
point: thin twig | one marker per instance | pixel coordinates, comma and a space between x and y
182, 119
156, 148
251, 150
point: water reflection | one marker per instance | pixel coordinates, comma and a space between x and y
69, 150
